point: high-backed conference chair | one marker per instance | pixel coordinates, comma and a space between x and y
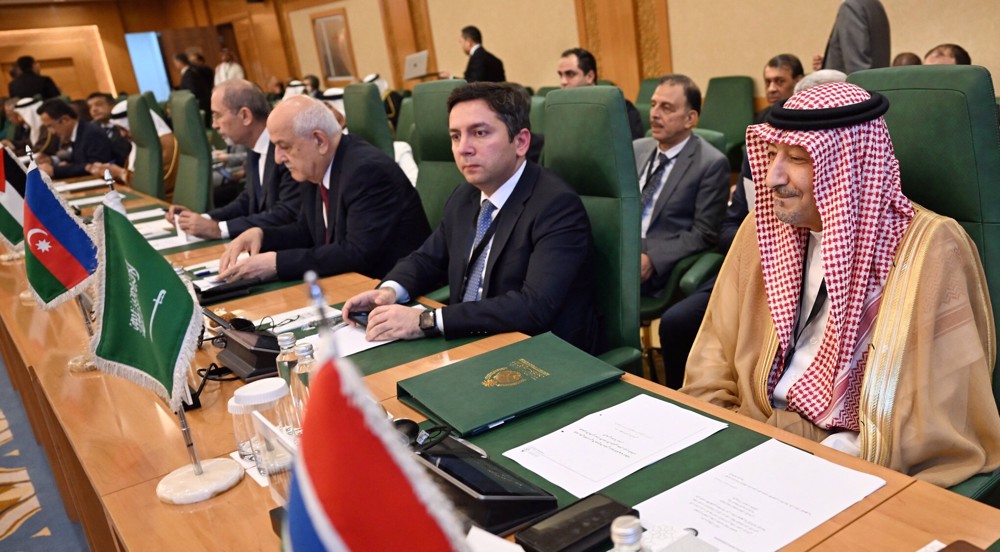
588, 143
155, 105
728, 108
643, 100
544, 90
147, 173
438, 175
365, 114
943, 123
406, 128
194, 162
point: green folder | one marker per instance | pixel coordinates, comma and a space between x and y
487, 390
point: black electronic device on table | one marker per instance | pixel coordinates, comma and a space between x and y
250, 355
488, 494
583, 526
229, 290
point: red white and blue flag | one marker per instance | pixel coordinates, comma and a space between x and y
12, 178
356, 486
59, 254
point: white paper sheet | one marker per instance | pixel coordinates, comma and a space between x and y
82, 185
479, 540
604, 447
761, 500
147, 214
152, 229
173, 241
85, 201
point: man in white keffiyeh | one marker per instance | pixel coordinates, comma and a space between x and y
846, 313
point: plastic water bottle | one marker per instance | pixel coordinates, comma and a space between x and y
626, 534
300, 379
286, 358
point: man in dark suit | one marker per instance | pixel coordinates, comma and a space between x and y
482, 66
83, 143
359, 212
100, 105
513, 244
271, 196
684, 183
859, 39
195, 79
578, 67
29, 83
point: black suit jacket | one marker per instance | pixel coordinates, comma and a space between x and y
200, 84
32, 84
91, 146
634, 121
280, 204
484, 66
375, 218
537, 275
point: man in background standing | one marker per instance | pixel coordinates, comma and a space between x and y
482, 66
859, 40
229, 69
29, 83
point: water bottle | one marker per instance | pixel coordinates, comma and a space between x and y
626, 534
300, 379
286, 358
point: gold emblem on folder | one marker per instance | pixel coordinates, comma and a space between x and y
515, 373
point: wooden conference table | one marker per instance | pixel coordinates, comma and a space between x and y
109, 442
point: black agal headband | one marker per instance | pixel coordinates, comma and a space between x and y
831, 117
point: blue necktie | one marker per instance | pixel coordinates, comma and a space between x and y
472, 287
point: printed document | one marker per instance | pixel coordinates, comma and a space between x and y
761, 500
604, 447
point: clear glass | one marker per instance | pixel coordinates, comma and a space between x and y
271, 460
243, 431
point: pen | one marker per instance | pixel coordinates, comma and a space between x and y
202, 273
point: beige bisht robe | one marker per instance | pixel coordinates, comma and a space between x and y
927, 407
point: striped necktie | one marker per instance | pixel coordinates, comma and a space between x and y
473, 287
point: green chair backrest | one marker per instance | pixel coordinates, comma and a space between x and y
544, 91
589, 144
365, 114
713, 137
643, 100
728, 108
193, 188
537, 115
438, 175
147, 175
154, 105
406, 128
943, 123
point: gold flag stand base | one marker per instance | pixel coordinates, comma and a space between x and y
81, 363
183, 486
11, 257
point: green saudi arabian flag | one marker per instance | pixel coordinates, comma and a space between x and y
147, 320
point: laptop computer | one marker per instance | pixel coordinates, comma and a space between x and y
415, 66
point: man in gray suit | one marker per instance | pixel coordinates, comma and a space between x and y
859, 40
684, 183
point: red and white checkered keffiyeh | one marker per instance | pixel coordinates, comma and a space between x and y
864, 215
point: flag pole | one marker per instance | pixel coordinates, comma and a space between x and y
189, 442
325, 326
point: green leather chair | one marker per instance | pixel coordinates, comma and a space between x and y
406, 128
147, 173
438, 174
715, 138
943, 122
365, 114
643, 100
589, 144
193, 187
155, 105
537, 114
728, 108
544, 91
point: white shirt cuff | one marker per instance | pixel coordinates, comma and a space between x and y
401, 294
223, 227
